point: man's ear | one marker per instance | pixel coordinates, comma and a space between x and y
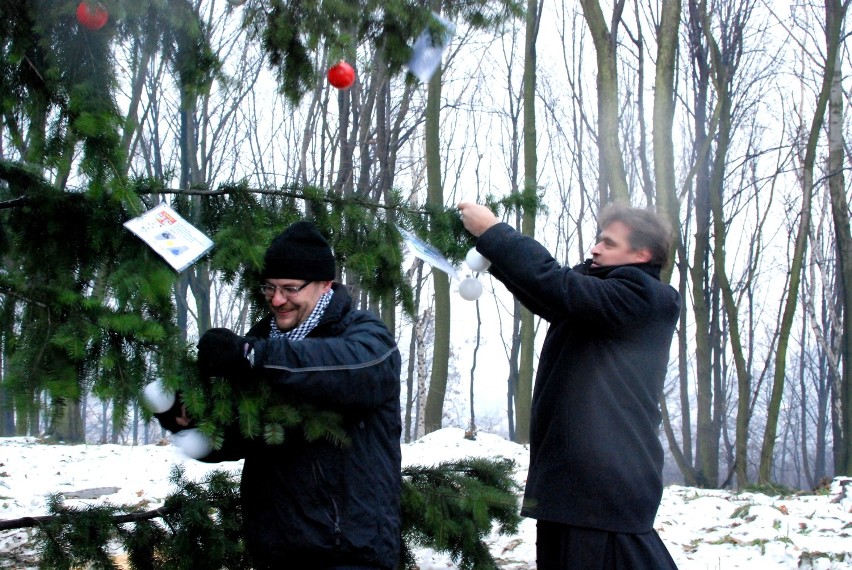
644, 255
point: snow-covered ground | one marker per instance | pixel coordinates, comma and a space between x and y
703, 529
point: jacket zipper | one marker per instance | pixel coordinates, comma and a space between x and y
334, 517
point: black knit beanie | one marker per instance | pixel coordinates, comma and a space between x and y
299, 252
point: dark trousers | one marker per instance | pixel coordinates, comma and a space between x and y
566, 547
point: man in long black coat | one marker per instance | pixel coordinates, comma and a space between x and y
595, 474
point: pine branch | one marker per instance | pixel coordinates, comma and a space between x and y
352, 201
450, 507
14, 203
32, 522
11, 293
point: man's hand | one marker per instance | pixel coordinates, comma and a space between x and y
476, 218
175, 419
221, 352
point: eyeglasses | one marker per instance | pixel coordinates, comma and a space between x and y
269, 290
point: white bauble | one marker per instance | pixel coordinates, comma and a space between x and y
476, 261
193, 443
470, 289
157, 397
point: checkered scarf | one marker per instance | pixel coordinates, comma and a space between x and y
301, 331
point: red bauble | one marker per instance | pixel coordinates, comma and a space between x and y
341, 75
92, 15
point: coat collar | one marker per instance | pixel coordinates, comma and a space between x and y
603, 272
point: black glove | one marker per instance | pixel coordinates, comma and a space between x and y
221, 352
174, 419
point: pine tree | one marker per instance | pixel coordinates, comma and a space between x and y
86, 306
450, 507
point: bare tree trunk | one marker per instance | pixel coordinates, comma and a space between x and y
682, 452
843, 236
22, 416
196, 279
134, 434
421, 331
7, 408
441, 281
104, 421
823, 328
143, 51
523, 397
706, 444
803, 407
413, 353
67, 425
613, 180
723, 79
471, 428
833, 27
668, 204
514, 367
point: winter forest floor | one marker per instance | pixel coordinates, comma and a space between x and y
703, 529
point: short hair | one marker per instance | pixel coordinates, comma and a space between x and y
648, 230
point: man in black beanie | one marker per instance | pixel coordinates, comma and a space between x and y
314, 504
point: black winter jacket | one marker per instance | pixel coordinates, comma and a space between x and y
595, 454
313, 502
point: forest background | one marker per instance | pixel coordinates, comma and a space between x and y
727, 117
